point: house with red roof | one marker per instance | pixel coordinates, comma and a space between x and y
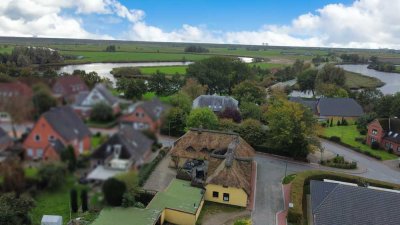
143, 116
54, 131
68, 87
12, 91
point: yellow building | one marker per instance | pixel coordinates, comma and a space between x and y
230, 169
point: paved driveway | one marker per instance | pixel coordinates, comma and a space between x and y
161, 176
269, 200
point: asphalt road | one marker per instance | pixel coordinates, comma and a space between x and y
375, 168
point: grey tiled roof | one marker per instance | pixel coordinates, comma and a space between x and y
134, 144
111, 99
345, 107
66, 123
348, 205
215, 102
153, 108
309, 103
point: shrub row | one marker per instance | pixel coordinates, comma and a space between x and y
148, 168
357, 149
300, 186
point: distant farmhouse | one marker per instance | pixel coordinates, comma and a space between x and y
67, 88
326, 108
215, 102
54, 131
144, 116
221, 162
127, 149
385, 132
345, 204
86, 100
12, 91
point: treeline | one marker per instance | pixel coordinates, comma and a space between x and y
353, 58
26, 56
381, 66
196, 49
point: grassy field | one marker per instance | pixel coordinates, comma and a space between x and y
169, 70
348, 134
266, 65
55, 203
357, 81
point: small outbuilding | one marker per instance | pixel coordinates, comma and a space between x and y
51, 220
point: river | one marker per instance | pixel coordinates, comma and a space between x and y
392, 80
104, 69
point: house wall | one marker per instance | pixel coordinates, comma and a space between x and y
374, 125
386, 144
50, 155
140, 116
44, 130
237, 196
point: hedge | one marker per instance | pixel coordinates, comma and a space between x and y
147, 169
338, 141
300, 186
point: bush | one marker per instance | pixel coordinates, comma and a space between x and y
363, 132
128, 199
338, 123
101, 112
375, 145
52, 175
84, 200
113, 191
359, 139
74, 200
335, 139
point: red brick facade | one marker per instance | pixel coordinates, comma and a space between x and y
140, 120
37, 144
377, 134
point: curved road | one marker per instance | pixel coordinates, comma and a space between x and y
271, 170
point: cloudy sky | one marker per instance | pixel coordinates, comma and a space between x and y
330, 23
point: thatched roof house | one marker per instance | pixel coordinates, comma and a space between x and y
198, 143
230, 158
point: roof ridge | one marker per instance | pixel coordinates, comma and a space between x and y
326, 197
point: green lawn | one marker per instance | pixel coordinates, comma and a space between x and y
96, 141
348, 134
150, 95
211, 208
56, 202
127, 216
266, 65
169, 70
357, 81
131, 56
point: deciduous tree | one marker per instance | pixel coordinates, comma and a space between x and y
202, 117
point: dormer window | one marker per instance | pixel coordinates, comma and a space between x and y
374, 132
117, 151
190, 149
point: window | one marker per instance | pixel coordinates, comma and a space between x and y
37, 137
39, 153
51, 138
387, 145
30, 152
398, 148
215, 194
373, 140
374, 132
226, 197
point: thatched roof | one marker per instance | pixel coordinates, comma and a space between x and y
237, 175
200, 143
230, 158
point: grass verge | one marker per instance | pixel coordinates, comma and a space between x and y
348, 134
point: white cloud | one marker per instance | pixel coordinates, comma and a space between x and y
363, 24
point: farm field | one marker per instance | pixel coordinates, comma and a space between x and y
169, 70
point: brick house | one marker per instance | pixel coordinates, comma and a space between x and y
68, 87
86, 100
13, 91
144, 116
386, 132
56, 129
